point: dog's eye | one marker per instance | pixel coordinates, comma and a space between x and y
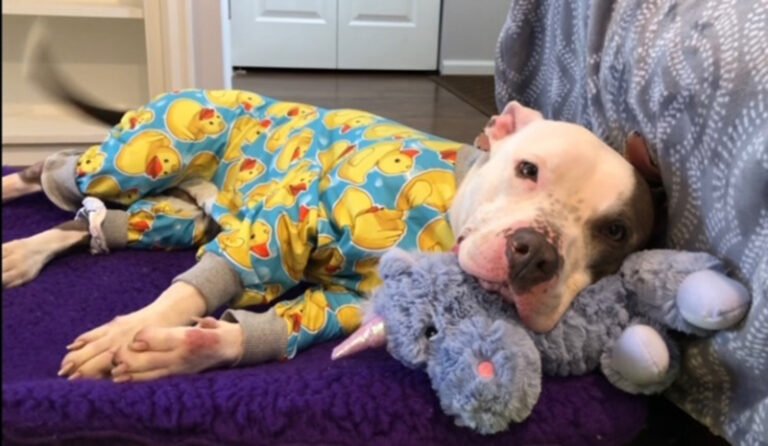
430, 332
527, 170
615, 231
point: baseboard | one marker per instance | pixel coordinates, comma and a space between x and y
466, 66
27, 154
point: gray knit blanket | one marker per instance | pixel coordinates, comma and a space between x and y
692, 77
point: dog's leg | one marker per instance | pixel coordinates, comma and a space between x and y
22, 183
24, 258
91, 354
156, 351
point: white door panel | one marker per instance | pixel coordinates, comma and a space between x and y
392, 35
284, 33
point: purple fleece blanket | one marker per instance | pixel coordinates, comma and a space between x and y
369, 399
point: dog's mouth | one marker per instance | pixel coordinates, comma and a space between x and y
524, 279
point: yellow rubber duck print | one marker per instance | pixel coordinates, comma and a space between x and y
90, 162
247, 239
324, 263
281, 134
322, 212
448, 150
368, 268
295, 149
133, 119
332, 157
148, 153
296, 181
107, 188
139, 223
258, 193
229, 222
166, 208
348, 119
349, 317
255, 297
392, 131
289, 109
387, 157
189, 120
234, 98
294, 238
310, 312
434, 188
372, 227
245, 130
436, 236
238, 175
203, 165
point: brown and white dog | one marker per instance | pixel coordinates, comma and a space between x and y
543, 209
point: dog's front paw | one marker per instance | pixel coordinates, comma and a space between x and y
158, 352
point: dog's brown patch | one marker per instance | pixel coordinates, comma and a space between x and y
33, 173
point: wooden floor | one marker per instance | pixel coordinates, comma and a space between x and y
411, 99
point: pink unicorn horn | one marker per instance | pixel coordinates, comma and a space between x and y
372, 334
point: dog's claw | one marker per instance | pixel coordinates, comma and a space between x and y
65, 369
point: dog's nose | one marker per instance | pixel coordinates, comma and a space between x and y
532, 259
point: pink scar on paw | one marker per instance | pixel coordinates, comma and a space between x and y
485, 370
197, 339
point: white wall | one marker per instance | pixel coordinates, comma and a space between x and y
470, 30
212, 47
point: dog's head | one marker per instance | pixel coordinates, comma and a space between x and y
546, 211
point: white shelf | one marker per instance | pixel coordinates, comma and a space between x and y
49, 124
74, 8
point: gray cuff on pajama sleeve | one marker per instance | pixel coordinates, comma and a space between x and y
216, 280
115, 228
58, 179
265, 335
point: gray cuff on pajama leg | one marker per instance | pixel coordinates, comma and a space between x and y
265, 335
58, 179
115, 228
216, 280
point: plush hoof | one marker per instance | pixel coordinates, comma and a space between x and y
711, 300
640, 355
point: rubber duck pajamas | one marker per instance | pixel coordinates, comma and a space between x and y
275, 194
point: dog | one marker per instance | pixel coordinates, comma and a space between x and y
536, 210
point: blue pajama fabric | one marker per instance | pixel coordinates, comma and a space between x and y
305, 193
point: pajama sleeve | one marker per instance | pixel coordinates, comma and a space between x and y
320, 314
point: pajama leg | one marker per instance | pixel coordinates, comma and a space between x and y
175, 137
318, 315
163, 222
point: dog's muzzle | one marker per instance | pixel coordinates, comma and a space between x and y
532, 259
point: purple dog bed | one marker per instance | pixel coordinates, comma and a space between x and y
368, 399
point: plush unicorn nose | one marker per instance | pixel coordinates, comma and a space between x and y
485, 370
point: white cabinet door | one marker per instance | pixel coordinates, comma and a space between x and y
390, 35
284, 33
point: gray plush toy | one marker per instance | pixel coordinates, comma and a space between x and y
486, 367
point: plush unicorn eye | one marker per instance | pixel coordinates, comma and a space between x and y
430, 332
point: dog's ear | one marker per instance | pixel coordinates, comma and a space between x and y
636, 152
514, 117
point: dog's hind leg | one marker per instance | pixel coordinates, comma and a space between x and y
23, 183
24, 258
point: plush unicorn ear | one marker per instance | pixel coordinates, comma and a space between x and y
395, 262
512, 119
